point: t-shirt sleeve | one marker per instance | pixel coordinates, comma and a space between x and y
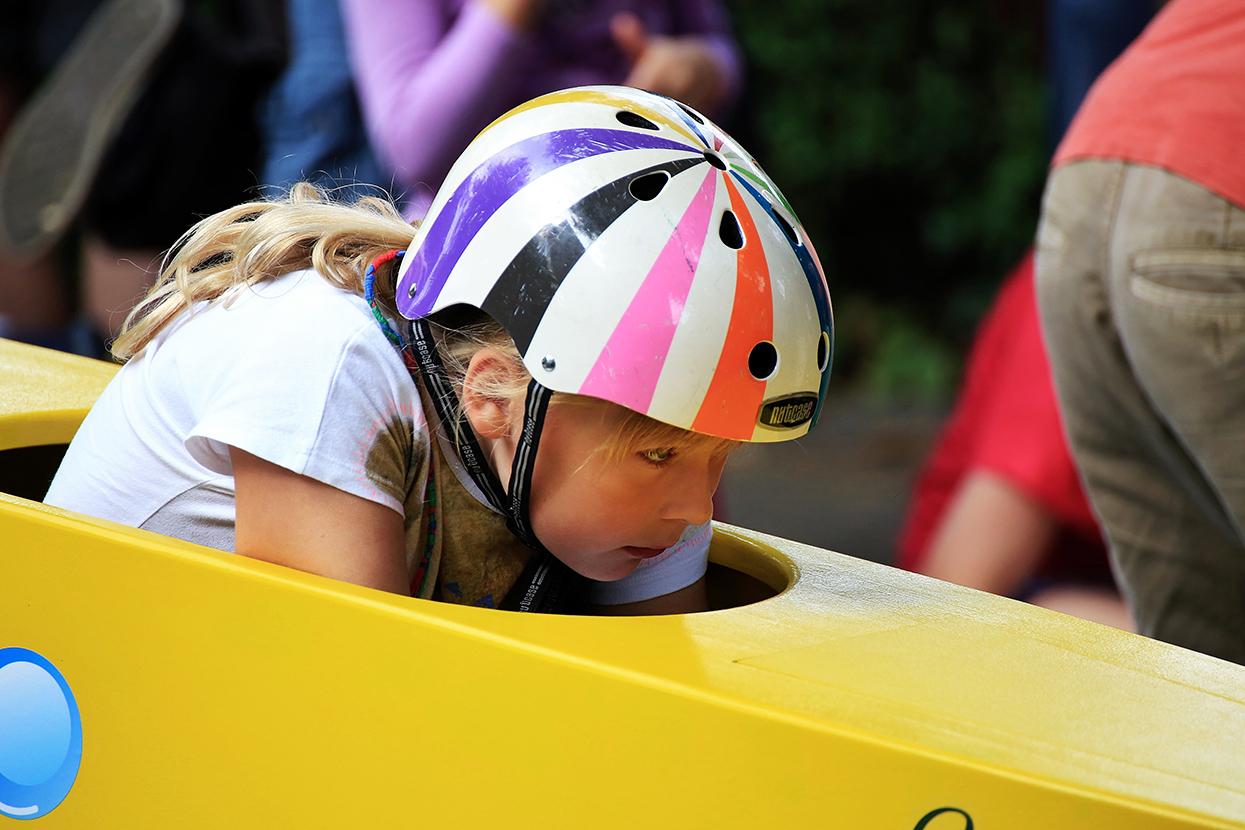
335, 404
364, 444
673, 569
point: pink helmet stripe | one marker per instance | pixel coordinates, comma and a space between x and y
647, 328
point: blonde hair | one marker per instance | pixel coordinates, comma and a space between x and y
305, 228
259, 241
636, 432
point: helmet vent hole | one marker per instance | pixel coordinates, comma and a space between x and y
647, 187
823, 351
786, 228
714, 159
763, 360
633, 119
731, 234
692, 115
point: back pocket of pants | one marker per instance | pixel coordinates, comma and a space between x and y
1205, 278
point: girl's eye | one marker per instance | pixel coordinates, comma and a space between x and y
657, 456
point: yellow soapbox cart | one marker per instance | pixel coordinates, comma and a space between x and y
193, 688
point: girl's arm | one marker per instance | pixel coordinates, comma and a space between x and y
428, 82
296, 521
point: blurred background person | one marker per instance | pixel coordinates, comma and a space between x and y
999, 505
1083, 37
433, 73
1141, 283
312, 128
127, 120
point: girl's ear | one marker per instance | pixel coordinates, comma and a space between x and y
490, 374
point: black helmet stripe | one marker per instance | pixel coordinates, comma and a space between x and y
522, 293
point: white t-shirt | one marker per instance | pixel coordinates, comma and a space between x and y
294, 371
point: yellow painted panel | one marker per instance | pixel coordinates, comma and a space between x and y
1088, 706
44, 394
218, 691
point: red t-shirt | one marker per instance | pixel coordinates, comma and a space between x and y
1006, 420
1175, 99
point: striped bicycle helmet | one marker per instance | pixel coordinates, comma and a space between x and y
635, 253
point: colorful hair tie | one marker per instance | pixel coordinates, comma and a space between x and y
369, 294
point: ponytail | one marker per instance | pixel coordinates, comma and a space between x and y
262, 240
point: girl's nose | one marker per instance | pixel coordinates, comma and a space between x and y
693, 508
690, 498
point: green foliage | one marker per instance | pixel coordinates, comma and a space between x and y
894, 356
908, 136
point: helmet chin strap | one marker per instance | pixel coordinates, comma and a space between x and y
524, 464
546, 583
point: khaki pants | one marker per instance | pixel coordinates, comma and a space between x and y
1141, 286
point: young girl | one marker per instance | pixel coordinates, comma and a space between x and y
606, 296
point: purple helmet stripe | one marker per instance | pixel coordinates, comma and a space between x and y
489, 186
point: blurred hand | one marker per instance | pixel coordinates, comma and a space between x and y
681, 67
522, 14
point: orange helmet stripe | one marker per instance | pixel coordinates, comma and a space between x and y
734, 397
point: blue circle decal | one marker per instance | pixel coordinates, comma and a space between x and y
40, 735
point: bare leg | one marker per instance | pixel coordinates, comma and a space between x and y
113, 280
32, 295
1100, 605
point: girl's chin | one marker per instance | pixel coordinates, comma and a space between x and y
642, 553
615, 567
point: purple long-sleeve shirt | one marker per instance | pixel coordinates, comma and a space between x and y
432, 73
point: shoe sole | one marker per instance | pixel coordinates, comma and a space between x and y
54, 147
